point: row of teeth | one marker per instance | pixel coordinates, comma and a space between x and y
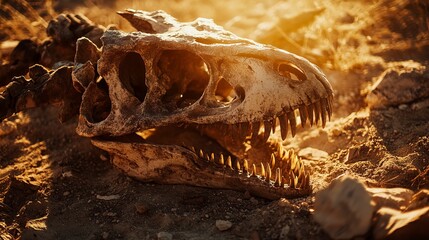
284, 168
313, 113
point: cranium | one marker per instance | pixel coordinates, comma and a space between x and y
183, 103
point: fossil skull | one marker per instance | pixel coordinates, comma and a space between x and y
183, 103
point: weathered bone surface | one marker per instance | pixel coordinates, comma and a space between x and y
183, 103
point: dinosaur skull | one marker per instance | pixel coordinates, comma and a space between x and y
183, 103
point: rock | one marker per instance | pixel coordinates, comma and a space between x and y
394, 224
7, 127
396, 198
223, 225
141, 208
105, 235
313, 154
344, 210
164, 236
107, 198
419, 200
284, 232
399, 86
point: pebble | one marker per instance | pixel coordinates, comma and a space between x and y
141, 208
105, 235
403, 106
284, 232
164, 236
66, 193
7, 127
223, 225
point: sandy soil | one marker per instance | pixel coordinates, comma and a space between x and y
56, 185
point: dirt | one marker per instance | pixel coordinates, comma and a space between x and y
56, 185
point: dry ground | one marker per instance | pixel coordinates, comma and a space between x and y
56, 185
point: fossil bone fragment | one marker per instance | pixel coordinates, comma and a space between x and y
183, 103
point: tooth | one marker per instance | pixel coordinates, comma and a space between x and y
278, 180
273, 124
310, 108
201, 153
273, 160
229, 162
292, 180
284, 180
292, 121
221, 159
317, 112
303, 115
262, 170
267, 130
323, 105
193, 149
245, 166
255, 130
253, 170
329, 107
283, 125
280, 150
301, 178
212, 157
237, 165
268, 175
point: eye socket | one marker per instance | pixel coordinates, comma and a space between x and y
291, 71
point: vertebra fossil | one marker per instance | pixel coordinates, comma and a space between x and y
183, 103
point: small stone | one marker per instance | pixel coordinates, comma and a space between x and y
7, 127
142, 208
284, 232
313, 154
336, 132
223, 225
164, 236
105, 235
103, 158
403, 106
66, 193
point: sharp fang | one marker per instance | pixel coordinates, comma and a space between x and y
245, 166
317, 112
283, 125
253, 170
278, 180
323, 105
255, 130
310, 114
292, 121
221, 159
267, 130
237, 165
303, 115
268, 175
229, 162
292, 180
262, 170
193, 150
212, 157
273, 160
201, 153
329, 107
273, 124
